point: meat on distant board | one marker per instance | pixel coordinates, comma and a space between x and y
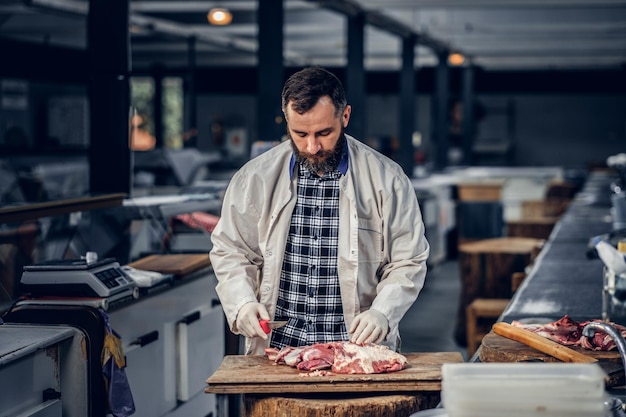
569, 332
339, 358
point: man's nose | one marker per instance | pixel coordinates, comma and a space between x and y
312, 145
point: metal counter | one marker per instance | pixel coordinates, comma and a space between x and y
565, 278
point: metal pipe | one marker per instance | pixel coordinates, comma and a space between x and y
616, 406
590, 329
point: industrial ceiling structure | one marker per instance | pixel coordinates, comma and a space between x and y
492, 34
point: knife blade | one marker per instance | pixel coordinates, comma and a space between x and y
269, 325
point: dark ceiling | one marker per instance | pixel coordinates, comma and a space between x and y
494, 34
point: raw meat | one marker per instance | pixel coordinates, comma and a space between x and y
570, 332
340, 358
564, 331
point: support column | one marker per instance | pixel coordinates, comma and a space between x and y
406, 153
270, 63
469, 119
440, 113
157, 106
355, 76
191, 108
108, 40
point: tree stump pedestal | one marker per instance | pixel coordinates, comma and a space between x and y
344, 405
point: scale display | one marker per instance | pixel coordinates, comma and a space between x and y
76, 278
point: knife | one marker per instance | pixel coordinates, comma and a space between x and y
269, 325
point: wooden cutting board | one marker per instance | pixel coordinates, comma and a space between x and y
496, 348
246, 374
176, 264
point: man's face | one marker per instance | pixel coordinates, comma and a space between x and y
316, 133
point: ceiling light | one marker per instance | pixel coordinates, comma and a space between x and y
219, 16
456, 59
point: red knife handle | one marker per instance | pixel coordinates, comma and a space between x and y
265, 326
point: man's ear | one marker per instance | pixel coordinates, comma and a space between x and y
345, 117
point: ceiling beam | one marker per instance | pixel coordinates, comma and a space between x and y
188, 6
493, 4
170, 28
383, 22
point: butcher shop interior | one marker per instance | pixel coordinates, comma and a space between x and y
155, 262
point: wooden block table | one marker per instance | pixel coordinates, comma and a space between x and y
175, 264
495, 348
280, 390
535, 227
551, 207
486, 267
480, 190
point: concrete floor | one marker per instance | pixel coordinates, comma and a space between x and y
429, 324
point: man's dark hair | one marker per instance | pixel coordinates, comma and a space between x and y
305, 87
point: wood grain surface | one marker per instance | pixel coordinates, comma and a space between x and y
485, 268
177, 264
241, 374
496, 348
540, 343
508, 245
342, 404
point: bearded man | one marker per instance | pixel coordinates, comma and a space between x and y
321, 231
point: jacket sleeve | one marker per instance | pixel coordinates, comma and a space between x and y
235, 255
405, 250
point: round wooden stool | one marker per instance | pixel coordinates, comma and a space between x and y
486, 267
328, 405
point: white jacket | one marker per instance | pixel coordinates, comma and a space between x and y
382, 249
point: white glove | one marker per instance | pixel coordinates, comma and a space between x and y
247, 321
370, 326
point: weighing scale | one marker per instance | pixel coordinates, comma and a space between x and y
77, 278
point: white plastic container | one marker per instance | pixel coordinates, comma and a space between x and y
523, 390
527, 408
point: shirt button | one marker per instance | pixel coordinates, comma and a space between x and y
266, 288
269, 253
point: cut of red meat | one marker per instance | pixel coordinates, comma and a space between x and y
569, 332
564, 331
316, 357
340, 358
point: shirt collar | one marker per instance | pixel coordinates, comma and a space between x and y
342, 167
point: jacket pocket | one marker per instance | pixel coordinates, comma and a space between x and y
370, 241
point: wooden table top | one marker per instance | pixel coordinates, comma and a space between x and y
241, 374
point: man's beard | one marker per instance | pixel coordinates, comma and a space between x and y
323, 161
